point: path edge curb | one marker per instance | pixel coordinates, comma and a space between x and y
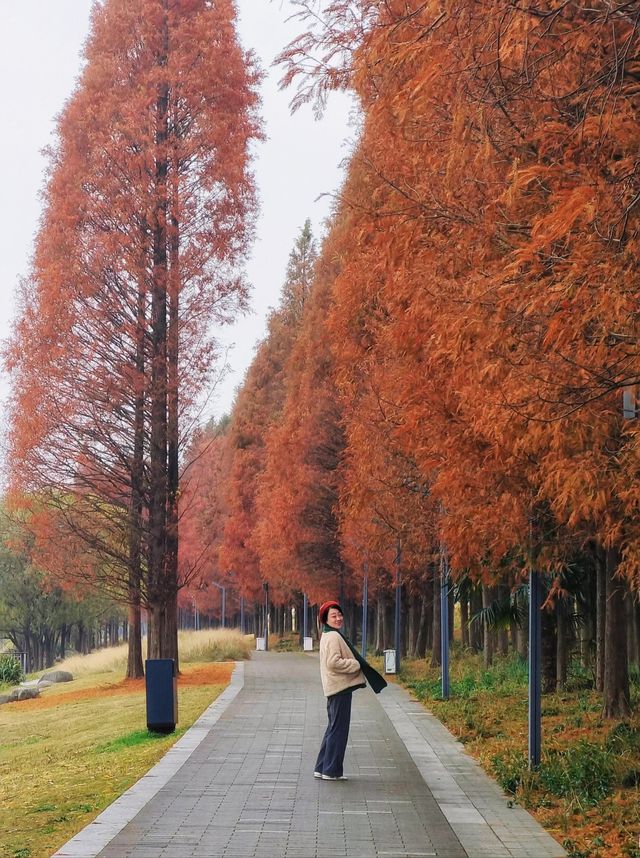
476, 816
93, 838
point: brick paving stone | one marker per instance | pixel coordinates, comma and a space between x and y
240, 784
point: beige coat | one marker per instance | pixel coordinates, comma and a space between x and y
339, 670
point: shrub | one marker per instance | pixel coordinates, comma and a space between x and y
622, 738
572, 849
507, 675
289, 643
10, 670
424, 689
580, 678
631, 779
585, 771
510, 770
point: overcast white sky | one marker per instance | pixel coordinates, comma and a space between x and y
40, 50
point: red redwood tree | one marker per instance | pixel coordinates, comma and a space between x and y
503, 207
149, 208
256, 415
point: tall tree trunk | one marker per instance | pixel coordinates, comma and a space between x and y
617, 700
476, 629
352, 609
632, 627
300, 618
522, 638
548, 665
390, 623
452, 612
503, 593
635, 613
428, 632
421, 636
379, 636
464, 621
159, 594
411, 623
588, 624
171, 557
436, 659
601, 613
561, 644
135, 668
488, 595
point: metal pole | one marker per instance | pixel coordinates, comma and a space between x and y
266, 617
444, 622
535, 657
305, 616
365, 608
224, 606
241, 615
398, 607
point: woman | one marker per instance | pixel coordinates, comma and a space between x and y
341, 671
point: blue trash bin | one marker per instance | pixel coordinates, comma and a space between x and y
162, 694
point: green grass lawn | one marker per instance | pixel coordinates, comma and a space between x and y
67, 755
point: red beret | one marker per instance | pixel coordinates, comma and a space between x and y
324, 609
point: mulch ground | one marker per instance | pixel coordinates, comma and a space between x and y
208, 674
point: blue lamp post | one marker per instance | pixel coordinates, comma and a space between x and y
365, 608
444, 622
398, 636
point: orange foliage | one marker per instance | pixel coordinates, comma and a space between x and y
149, 208
483, 311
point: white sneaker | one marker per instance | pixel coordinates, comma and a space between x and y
317, 774
339, 778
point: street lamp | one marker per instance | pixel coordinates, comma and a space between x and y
398, 605
223, 607
265, 587
535, 659
444, 621
305, 616
365, 608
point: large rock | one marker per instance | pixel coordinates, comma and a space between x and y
23, 694
57, 676
5, 698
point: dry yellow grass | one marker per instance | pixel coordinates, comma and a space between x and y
204, 645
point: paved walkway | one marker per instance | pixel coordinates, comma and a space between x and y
240, 783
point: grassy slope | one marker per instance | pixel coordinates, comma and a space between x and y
67, 755
488, 712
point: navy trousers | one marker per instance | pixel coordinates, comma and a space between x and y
334, 742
